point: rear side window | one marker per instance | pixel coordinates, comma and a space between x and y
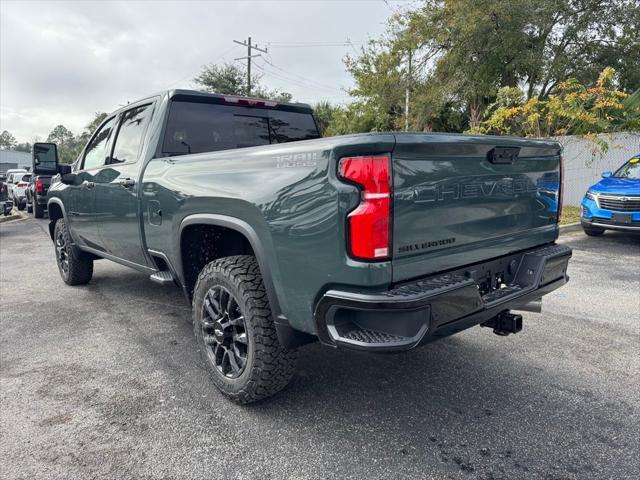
26, 178
96, 152
132, 127
204, 127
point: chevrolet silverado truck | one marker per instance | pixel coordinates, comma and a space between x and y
373, 242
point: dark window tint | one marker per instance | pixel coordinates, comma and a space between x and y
96, 152
291, 126
203, 127
129, 139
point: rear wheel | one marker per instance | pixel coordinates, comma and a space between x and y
235, 332
21, 205
29, 207
38, 210
75, 266
593, 231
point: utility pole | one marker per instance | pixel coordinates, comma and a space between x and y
249, 46
406, 97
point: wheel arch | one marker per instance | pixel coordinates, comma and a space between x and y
288, 336
56, 211
240, 227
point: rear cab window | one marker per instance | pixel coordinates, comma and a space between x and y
196, 127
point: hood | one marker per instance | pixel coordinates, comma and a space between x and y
619, 186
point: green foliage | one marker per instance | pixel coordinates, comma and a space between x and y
23, 147
465, 53
574, 109
231, 79
7, 140
64, 139
324, 113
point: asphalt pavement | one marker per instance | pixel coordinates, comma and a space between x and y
104, 381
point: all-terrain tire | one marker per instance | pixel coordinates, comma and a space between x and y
268, 366
593, 232
38, 210
75, 266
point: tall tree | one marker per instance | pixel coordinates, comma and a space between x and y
23, 147
7, 140
64, 139
464, 51
231, 79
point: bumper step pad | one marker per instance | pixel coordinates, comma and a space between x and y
371, 336
400, 318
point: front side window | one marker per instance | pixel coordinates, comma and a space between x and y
96, 152
631, 169
129, 139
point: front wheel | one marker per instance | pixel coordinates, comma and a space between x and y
75, 266
593, 231
235, 332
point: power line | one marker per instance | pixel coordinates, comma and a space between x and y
303, 82
249, 46
322, 85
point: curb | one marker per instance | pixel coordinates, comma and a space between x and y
570, 228
8, 218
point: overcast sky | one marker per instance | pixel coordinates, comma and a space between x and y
62, 61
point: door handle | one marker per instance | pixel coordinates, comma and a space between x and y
87, 184
127, 182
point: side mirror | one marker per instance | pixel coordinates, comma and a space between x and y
606, 174
45, 159
68, 178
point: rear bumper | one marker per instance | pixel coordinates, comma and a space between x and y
438, 306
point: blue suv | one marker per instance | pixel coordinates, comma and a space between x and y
614, 202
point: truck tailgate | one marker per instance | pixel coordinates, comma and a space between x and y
459, 199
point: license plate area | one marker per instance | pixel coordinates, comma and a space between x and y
621, 218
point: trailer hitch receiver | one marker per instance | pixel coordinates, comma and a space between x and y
504, 323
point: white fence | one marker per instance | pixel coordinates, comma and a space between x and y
584, 162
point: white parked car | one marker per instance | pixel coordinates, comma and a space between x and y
17, 183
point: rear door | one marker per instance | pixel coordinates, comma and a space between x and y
116, 188
80, 197
460, 200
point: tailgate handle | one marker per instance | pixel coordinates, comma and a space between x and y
503, 155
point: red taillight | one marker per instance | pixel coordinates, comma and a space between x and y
368, 224
560, 188
39, 186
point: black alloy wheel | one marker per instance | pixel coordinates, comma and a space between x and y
224, 332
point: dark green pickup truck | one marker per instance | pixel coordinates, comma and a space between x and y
375, 242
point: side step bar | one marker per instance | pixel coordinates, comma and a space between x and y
163, 277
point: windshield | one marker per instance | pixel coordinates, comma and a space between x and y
631, 170
206, 127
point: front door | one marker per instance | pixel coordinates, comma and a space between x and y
80, 203
117, 189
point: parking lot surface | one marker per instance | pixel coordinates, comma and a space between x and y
104, 381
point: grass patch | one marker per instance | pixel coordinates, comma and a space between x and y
570, 215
